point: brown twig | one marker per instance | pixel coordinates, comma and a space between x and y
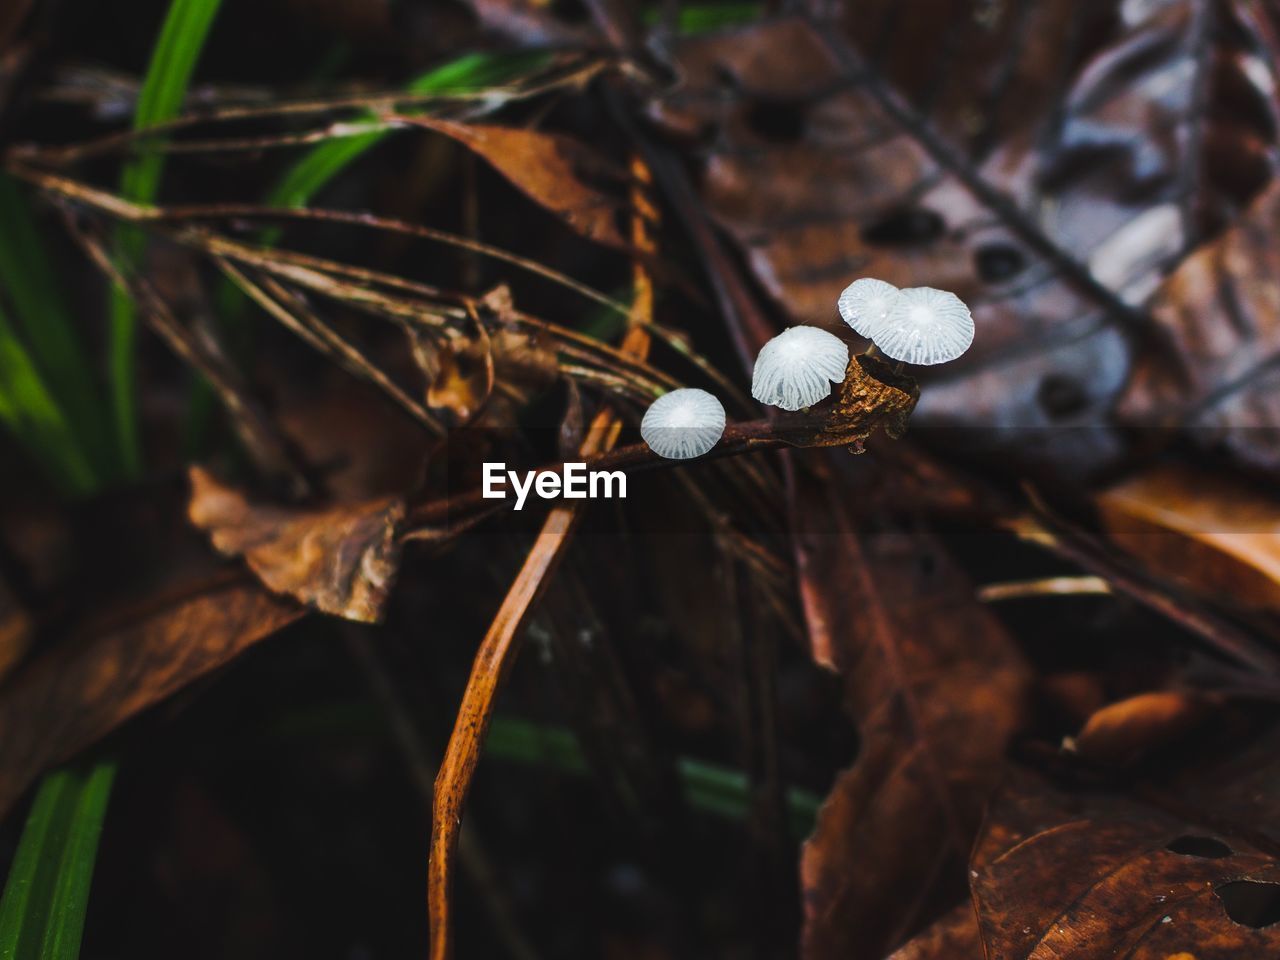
1041, 528
500, 645
404, 730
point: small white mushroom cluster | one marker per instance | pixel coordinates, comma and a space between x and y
796, 369
918, 325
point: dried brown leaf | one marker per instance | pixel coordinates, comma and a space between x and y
1221, 312
83, 689
1082, 877
1123, 732
548, 168
1047, 162
341, 560
937, 688
954, 936
1214, 534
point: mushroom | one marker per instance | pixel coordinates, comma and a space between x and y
683, 424
796, 368
866, 304
926, 326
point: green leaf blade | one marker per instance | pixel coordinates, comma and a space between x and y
46, 896
173, 61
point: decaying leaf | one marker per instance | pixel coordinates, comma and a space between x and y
83, 689
1071, 876
1240, 787
490, 367
1221, 311
1122, 732
459, 370
1214, 534
1050, 184
548, 168
937, 688
954, 936
341, 560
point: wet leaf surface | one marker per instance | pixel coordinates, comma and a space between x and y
340, 560
1219, 310
1125, 731
936, 687
953, 936
1050, 187
71, 697
1217, 535
1127, 880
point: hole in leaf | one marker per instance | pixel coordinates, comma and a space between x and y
778, 121
1206, 847
904, 227
997, 262
1060, 397
1251, 903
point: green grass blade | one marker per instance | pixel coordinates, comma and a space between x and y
70, 898
320, 165
698, 18
173, 60
709, 788
32, 414
23, 910
45, 321
466, 74
43, 908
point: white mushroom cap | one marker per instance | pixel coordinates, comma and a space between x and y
795, 369
928, 326
866, 304
683, 424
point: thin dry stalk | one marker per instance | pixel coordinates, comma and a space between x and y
500, 645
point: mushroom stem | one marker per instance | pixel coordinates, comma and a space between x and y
871, 351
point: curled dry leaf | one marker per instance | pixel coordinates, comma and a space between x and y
937, 688
1218, 536
340, 560
1221, 311
549, 168
1121, 733
490, 367
1099, 876
459, 370
81, 690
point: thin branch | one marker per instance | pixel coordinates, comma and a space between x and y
501, 644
